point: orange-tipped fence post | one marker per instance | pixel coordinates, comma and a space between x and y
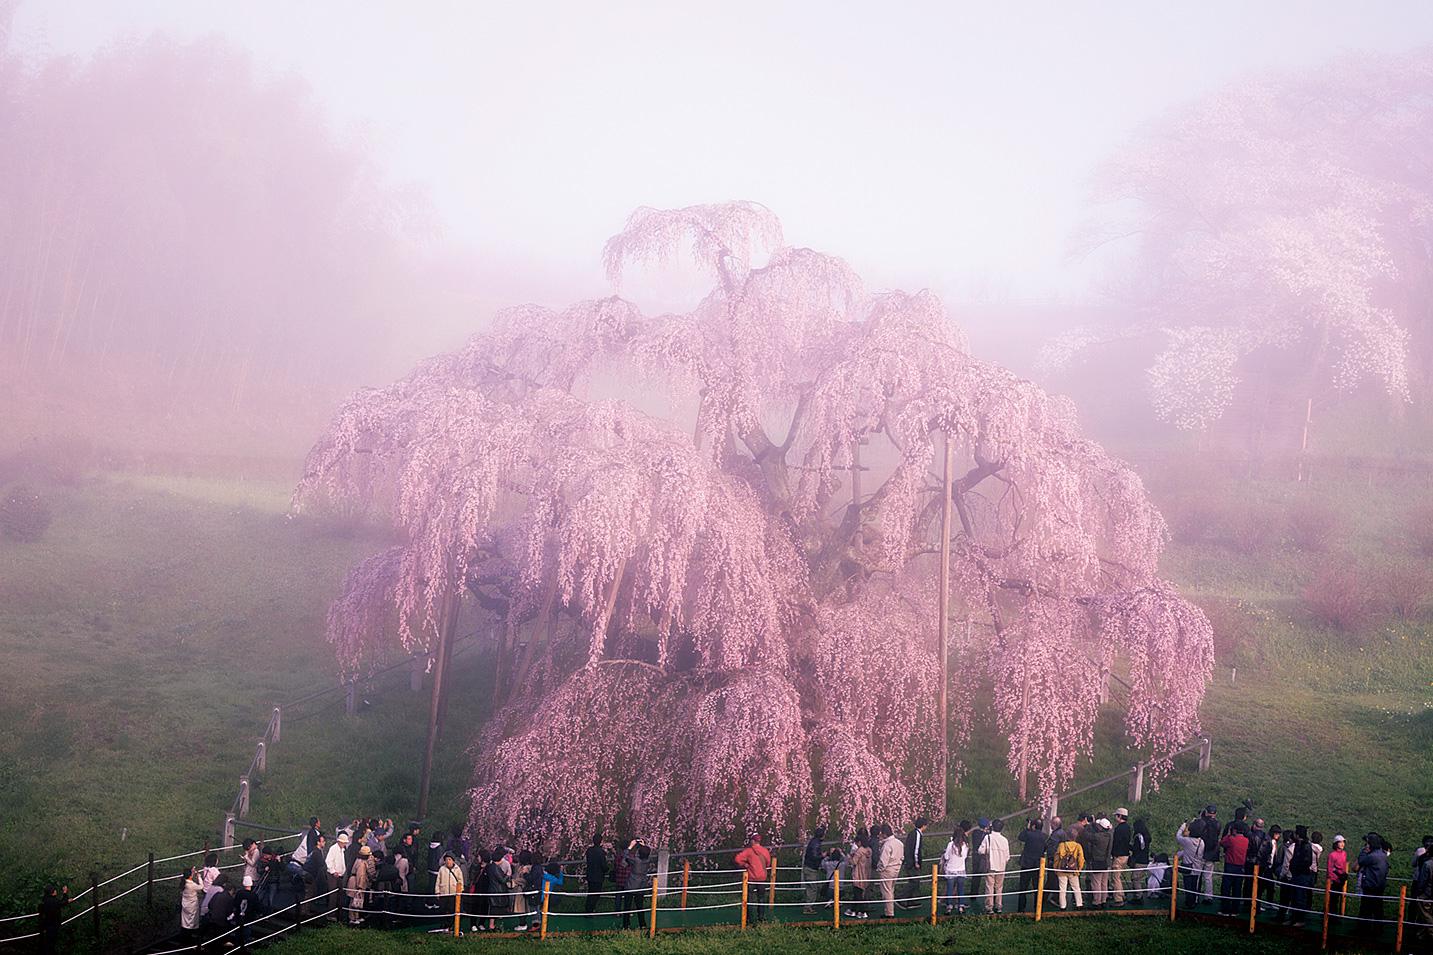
652, 928
1402, 905
1328, 889
1343, 902
1254, 900
542, 924
745, 887
457, 914
1040, 893
836, 899
1174, 887
934, 890
686, 878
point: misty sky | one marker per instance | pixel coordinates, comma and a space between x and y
942, 144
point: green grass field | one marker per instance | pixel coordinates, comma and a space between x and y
145, 637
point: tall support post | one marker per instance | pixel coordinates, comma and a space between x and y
226, 838
261, 758
1136, 783
350, 697
415, 674
934, 891
771, 888
1254, 900
1397, 938
1040, 892
745, 891
1205, 748
243, 799
686, 878
441, 655
1343, 899
1173, 887
836, 899
457, 914
1328, 883
943, 626
278, 724
542, 926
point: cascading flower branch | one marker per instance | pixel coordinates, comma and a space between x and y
699, 627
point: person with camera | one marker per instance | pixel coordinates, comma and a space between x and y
639, 878
1032, 849
52, 904
755, 859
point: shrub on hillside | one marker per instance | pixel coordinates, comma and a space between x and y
1192, 518
1338, 597
1248, 528
1420, 528
1236, 630
1406, 588
1312, 525
24, 514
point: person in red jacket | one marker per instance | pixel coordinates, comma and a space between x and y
756, 860
1338, 865
1236, 848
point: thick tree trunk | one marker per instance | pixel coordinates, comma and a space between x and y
443, 656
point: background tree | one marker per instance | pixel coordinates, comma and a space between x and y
695, 627
1277, 239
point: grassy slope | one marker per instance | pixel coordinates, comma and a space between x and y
145, 636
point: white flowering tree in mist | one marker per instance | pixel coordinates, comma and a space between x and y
703, 624
1280, 232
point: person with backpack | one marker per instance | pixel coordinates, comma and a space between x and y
1372, 879
1069, 861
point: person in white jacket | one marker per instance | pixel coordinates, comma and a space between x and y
888, 866
996, 849
336, 862
190, 896
953, 866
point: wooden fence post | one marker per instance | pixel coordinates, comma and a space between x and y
1173, 886
1254, 899
149, 883
652, 928
1040, 895
771, 889
745, 886
350, 698
261, 758
298, 911
1136, 783
226, 838
278, 724
457, 914
542, 926
686, 878
836, 899
1328, 883
243, 799
934, 890
95, 904
1402, 905
1343, 902
1205, 749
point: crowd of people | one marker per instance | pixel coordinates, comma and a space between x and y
365, 871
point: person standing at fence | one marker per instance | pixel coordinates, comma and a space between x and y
1270, 852
1098, 859
1421, 895
1236, 852
449, 882
1209, 833
52, 906
246, 907
336, 862
360, 878
976, 866
1257, 838
1058, 834
756, 861
997, 857
1119, 856
812, 878
1372, 878
1191, 855
595, 861
888, 867
953, 867
1139, 846
435, 861
1337, 865
913, 855
1069, 861
860, 862
1032, 849
639, 879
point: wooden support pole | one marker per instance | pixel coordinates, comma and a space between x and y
943, 625
278, 724
350, 697
1040, 894
1343, 902
542, 925
1328, 885
836, 899
1174, 887
1136, 783
457, 914
652, 924
686, 878
149, 883
1254, 900
934, 891
1204, 753
771, 888
745, 889
1402, 907
243, 799
261, 758
226, 838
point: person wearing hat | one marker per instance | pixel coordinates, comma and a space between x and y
337, 866
246, 906
1119, 855
1097, 857
360, 878
1337, 865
